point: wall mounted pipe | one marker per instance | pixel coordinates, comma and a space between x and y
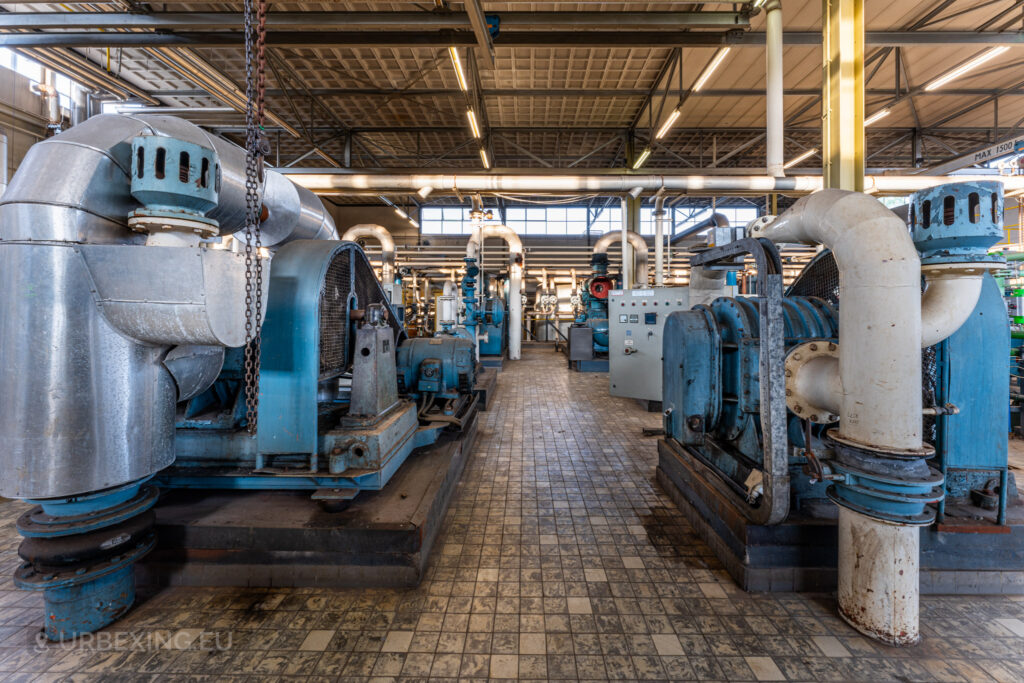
638, 243
515, 281
659, 241
324, 181
387, 247
64, 238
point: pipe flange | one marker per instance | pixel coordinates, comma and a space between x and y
797, 357
156, 222
963, 268
889, 486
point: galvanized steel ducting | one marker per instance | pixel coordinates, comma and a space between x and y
93, 311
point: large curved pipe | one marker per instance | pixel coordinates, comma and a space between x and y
387, 246
639, 245
880, 317
515, 280
883, 323
92, 199
89, 305
947, 303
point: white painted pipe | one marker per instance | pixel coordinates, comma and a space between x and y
948, 301
343, 182
880, 317
387, 246
774, 130
515, 281
659, 241
638, 243
627, 251
878, 577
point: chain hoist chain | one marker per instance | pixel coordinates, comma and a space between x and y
255, 86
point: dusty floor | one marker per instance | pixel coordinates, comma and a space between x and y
561, 560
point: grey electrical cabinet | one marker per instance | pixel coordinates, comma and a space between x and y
636, 319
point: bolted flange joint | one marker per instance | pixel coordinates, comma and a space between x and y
891, 487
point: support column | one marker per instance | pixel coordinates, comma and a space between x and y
842, 96
774, 129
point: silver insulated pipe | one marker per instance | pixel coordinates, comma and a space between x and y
95, 317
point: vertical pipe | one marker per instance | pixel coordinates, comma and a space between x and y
659, 241
774, 88
878, 577
4, 162
627, 251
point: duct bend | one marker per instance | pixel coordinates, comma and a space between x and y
639, 245
880, 317
515, 283
950, 296
387, 246
93, 305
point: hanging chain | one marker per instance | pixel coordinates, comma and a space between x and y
255, 150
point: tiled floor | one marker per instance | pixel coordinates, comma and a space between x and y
561, 560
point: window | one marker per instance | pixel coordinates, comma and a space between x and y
572, 221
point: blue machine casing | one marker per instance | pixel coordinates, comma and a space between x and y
442, 365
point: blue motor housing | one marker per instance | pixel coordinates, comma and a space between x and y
441, 365
711, 381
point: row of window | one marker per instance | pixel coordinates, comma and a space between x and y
571, 220
33, 71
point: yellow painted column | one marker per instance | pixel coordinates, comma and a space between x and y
842, 96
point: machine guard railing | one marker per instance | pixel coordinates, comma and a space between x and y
774, 507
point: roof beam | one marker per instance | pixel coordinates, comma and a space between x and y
589, 92
485, 47
523, 39
374, 20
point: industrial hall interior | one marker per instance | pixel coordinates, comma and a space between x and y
459, 340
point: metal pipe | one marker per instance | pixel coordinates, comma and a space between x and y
879, 384
715, 220
880, 317
515, 280
111, 305
637, 242
659, 241
627, 252
324, 181
387, 247
947, 303
774, 89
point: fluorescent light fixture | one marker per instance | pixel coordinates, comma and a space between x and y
796, 160
414, 224
483, 158
877, 116
401, 214
473, 125
642, 158
710, 68
457, 65
758, 3
672, 118
969, 65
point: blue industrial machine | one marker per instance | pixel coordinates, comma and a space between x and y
588, 336
117, 281
483, 316
758, 478
335, 360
